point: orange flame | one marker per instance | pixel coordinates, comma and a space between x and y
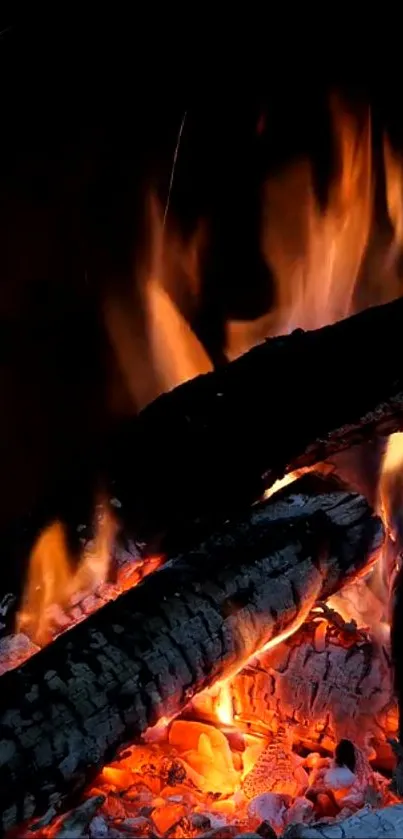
317, 257
391, 483
315, 254
156, 350
154, 343
52, 581
223, 705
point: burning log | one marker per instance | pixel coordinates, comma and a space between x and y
140, 658
213, 444
325, 683
366, 824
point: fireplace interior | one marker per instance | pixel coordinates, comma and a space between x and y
202, 449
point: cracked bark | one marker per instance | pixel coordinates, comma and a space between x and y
208, 447
324, 686
366, 824
66, 710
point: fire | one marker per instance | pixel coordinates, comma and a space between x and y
315, 254
153, 341
155, 355
52, 582
318, 256
223, 705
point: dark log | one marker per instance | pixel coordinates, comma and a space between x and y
213, 444
65, 712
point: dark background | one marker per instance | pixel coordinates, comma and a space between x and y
90, 111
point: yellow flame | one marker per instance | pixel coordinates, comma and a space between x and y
52, 580
391, 482
223, 704
315, 253
154, 344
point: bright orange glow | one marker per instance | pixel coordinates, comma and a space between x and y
394, 189
55, 584
391, 482
315, 253
280, 484
153, 341
52, 580
223, 705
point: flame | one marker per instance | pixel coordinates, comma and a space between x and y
391, 482
223, 705
390, 489
315, 254
52, 581
394, 191
155, 346
156, 350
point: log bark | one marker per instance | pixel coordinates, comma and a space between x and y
324, 683
213, 444
366, 824
65, 712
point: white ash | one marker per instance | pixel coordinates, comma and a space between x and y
300, 811
339, 777
366, 824
270, 807
98, 828
14, 649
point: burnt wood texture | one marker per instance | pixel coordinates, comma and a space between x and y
210, 446
68, 709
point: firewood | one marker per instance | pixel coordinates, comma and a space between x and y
366, 824
66, 710
211, 445
324, 683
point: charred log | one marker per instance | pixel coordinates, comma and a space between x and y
65, 712
324, 683
213, 444
366, 824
